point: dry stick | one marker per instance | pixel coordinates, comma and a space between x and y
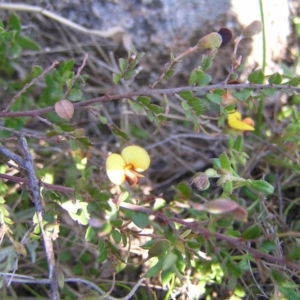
149, 92
47, 186
35, 192
36, 9
16, 158
26, 86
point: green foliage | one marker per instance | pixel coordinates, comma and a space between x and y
12, 42
127, 67
216, 230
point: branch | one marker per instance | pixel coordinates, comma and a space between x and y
47, 186
35, 192
28, 85
16, 158
31, 280
149, 92
39, 10
237, 243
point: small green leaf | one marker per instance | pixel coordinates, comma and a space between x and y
15, 49
140, 219
257, 77
133, 64
184, 189
90, 234
117, 222
102, 256
66, 66
169, 74
102, 119
268, 92
262, 186
66, 127
193, 244
60, 277
119, 133
227, 188
117, 77
238, 144
14, 22
27, 43
267, 246
136, 107
198, 77
215, 98
151, 116
234, 269
294, 81
36, 71
144, 100
169, 261
187, 95
206, 62
116, 235
294, 252
156, 109
103, 251
101, 245
162, 118
74, 95
140, 55
153, 271
186, 108
166, 276
275, 78
278, 277
242, 95
252, 232
122, 64
128, 75
225, 162
159, 248
124, 239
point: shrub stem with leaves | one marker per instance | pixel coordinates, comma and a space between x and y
217, 230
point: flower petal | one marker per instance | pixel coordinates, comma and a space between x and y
234, 121
137, 157
234, 116
239, 125
115, 168
249, 121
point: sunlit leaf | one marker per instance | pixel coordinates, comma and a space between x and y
257, 77
140, 219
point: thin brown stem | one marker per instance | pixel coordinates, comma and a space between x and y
150, 92
28, 85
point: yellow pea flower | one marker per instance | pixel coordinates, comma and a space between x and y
235, 121
133, 159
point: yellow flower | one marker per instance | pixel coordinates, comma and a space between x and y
123, 167
235, 122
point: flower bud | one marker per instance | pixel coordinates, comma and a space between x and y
211, 40
200, 180
252, 29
